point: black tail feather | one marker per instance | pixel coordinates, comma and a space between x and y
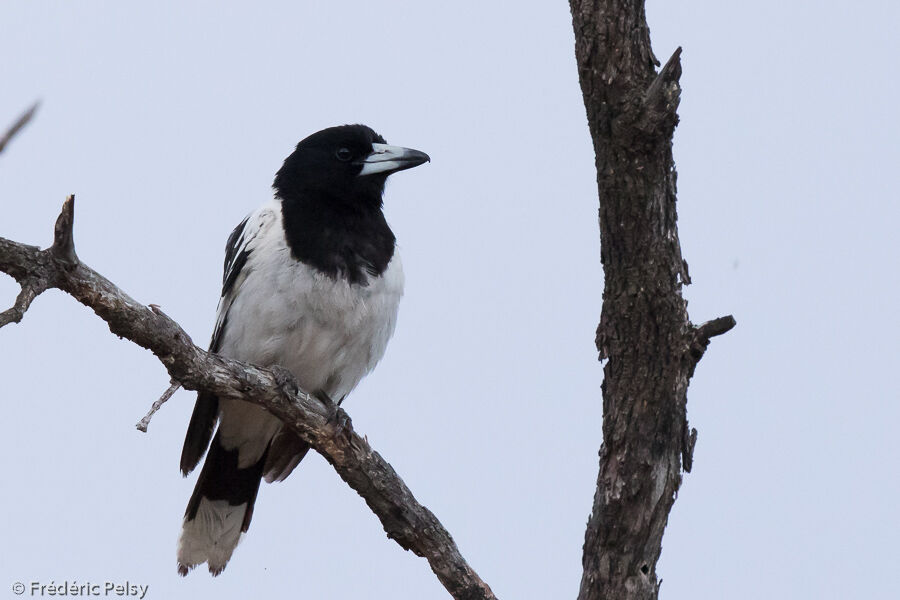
203, 421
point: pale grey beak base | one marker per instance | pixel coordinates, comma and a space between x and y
390, 159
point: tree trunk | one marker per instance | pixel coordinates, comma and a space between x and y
645, 334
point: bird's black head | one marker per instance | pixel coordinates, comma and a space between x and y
345, 165
330, 190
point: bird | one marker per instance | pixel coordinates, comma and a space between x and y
312, 284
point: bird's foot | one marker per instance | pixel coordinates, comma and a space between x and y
341, 421
336, 417
285, 379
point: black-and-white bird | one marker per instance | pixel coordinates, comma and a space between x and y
312, 284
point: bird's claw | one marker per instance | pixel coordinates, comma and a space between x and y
336, 417
341, 420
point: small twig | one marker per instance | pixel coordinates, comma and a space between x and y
16, 127
708, 330
660, 101
687, 450
174, 387
715, 327
23, 301
685, 273
670, 73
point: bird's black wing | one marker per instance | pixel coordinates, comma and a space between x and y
206, 409
237, 251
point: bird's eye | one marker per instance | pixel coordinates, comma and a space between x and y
344, 154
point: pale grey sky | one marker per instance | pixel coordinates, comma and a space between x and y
168, 121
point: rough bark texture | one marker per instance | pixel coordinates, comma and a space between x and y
324, 426
645, 333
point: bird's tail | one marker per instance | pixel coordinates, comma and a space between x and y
219, 510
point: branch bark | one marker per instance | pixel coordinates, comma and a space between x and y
645, 333
326, 427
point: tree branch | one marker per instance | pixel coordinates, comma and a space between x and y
325, 427
16, 127
23, 302
644, 327
710, 329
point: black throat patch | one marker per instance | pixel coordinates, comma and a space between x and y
342, 240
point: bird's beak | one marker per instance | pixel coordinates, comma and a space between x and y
390, 159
